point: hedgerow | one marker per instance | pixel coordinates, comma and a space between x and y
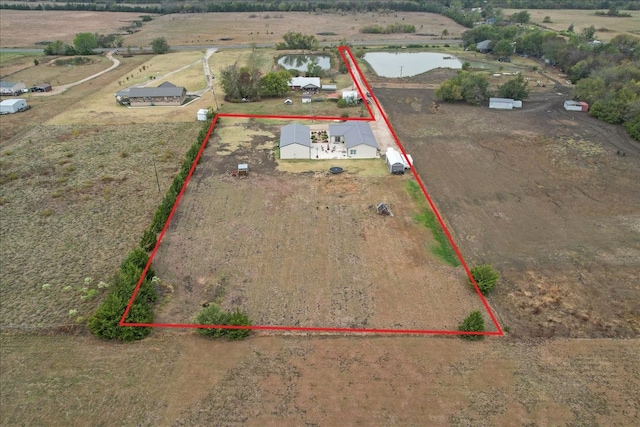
214, 315
104, 323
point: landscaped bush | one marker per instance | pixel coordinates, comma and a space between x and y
473, 323
485, 276
214, 315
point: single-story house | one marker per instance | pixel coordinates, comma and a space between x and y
309, 84
357, 138
576, 106
165, 94
41, 87
295, 142
483, 46
10, 106
9, 88
504, 103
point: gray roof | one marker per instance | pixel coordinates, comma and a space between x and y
483, 45
295, 134
7, 84
165, 89
355, 133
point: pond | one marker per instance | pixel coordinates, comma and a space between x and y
407, 64
300, 62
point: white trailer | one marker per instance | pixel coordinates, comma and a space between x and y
396, 162
10, 106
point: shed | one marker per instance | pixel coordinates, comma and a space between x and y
243, 169
394, 161
9, 88
10, 106
202, 114
576, 106
504, 103
295, 142
483, 46
41, 87
331, 88
352, 95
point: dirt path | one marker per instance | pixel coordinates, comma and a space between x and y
60, 89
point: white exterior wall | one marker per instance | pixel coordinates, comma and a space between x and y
572, 106
363, 151
501, 105
12, 105
295, 151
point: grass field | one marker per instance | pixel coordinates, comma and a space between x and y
607, 28
49, 26
75, 209
56, 75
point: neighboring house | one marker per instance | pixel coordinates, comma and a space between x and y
8, 88
10, 106
295, 142
504, 103
483, 46
357, 138
41, 87
167, 94
309, 84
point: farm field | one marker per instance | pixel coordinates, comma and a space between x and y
303, 249
52, 25
607, 27
540, 193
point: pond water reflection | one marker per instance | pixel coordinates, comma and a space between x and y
407, 64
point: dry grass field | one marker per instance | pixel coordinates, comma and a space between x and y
50, 25
538, 192
184, 380
607, 28
48, 71
269, 27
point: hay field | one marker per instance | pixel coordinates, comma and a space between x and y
269, 27
49, 25
562, 18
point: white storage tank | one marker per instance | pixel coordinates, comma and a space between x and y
202, 115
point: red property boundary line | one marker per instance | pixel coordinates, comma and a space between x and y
351, 63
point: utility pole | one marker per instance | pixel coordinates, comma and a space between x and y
401, 66
156, 170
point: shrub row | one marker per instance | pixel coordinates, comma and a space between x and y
104, 323
214, 315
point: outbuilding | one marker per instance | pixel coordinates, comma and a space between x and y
10, 106
9, 88
504, 103
41, 87
576, 106
295, 142
394, 161
202, 115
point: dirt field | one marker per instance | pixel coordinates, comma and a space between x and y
542, 194
246, 243
184, 380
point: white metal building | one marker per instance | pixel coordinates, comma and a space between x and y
295, 142
504, 103
10, 106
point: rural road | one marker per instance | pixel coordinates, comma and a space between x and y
60, 89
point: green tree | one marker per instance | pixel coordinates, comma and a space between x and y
589, 32
485, 276
444, 33
160, 45
275, 83
627, 45
547, 20
473, 323
570, 29
293, 40
468, 86
590, 89
84, 43
522, 17
503, 47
